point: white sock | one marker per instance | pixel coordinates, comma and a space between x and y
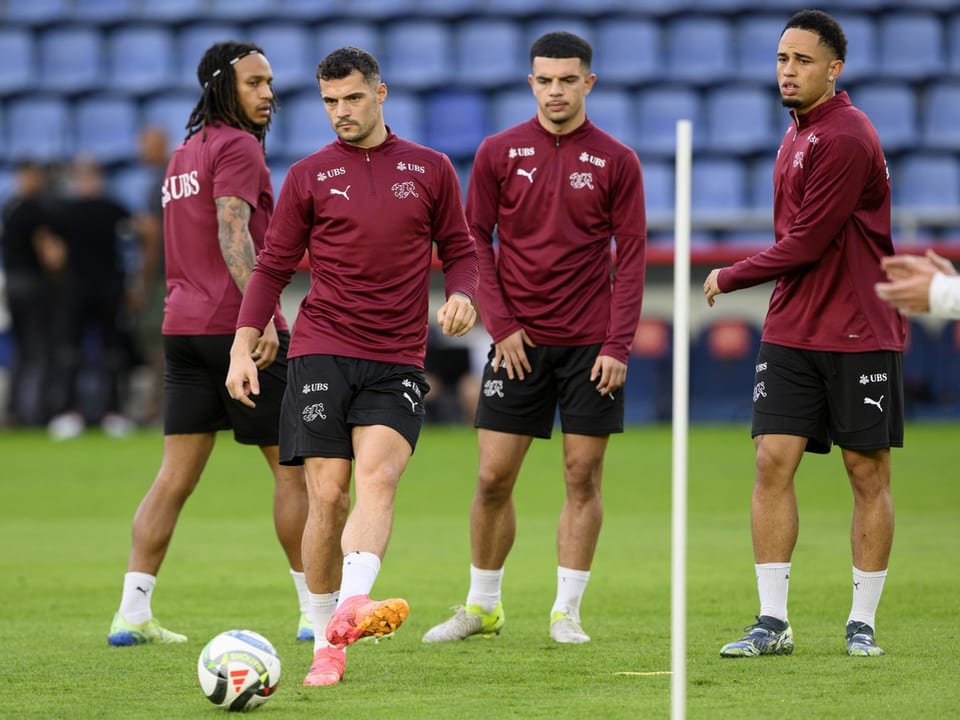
321, 608
867, 587
137, 592
360, 571
485, 588
303, 595
570, 586
773, 584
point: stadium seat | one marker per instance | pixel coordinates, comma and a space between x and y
862, 48
450, 9
757, 39
512, 107
627, 51
383, 10
241, 10
404, 115
517, 8
919, 367
278, 173
305, 126
457, 122
106, 128
105, 12
339, 33
892, 108
35, 12
648, 391
658, 187
722, 369
699, 49
927, 181
131, 186
193, 41
727, 107
760, 181
727, 6
611, 110
39, 129
953, 43
173, 11
18, 71
719, 186
141, 59
586, 7
657, 8
490, 53
71, 59
940, 114
171, 111
542, 24
308, 10
289, 48
418, 53
911, 46
656, 113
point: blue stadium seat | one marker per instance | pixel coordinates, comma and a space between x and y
18, 71
39, 128
892, 108
511, 107
105, 12
941, 117
383, 10
173, 11
171, 111
728, 107
648, 392
241, 10
757, 38
141, 59
457, 122
193, 41
727, 6
658, 187
862, 48
339, 33
490, 53
308, 10
35, 12
719, 186
627, 50
131, 186
450, 9
517, 8
953, 43
657, 8
656, 113
760, 180
278, 173
403, 112
699, 49
418, 53
611, 110
106, 128
722, 368
305, 126
542, 24
911, 45
289, 48
71, 59
927, 181
587, 7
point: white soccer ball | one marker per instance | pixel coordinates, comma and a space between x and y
238, 670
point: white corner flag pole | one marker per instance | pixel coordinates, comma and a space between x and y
681, 372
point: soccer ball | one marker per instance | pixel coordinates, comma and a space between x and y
238, 670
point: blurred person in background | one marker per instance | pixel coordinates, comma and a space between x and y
33, 262
921, 284
217, 202
92, 321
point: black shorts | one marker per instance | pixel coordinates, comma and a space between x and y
854, 400
195, 399
328, 395
561, 375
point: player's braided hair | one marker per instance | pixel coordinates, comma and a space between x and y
219, 102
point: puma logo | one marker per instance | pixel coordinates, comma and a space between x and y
527, 175
146, 593
334, 191
413, 404
868, 401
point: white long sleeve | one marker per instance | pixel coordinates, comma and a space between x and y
945, 296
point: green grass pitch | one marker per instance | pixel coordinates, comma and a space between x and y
65, 526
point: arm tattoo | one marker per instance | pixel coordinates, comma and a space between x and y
236, 244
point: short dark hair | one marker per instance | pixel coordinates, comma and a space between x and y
819, 22
219, 101
343, 61
562, 45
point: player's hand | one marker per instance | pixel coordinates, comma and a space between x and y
265, 351
509, 354
457, 315
609, 373
711, 287
242, 378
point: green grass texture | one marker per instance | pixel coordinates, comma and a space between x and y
65, 530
